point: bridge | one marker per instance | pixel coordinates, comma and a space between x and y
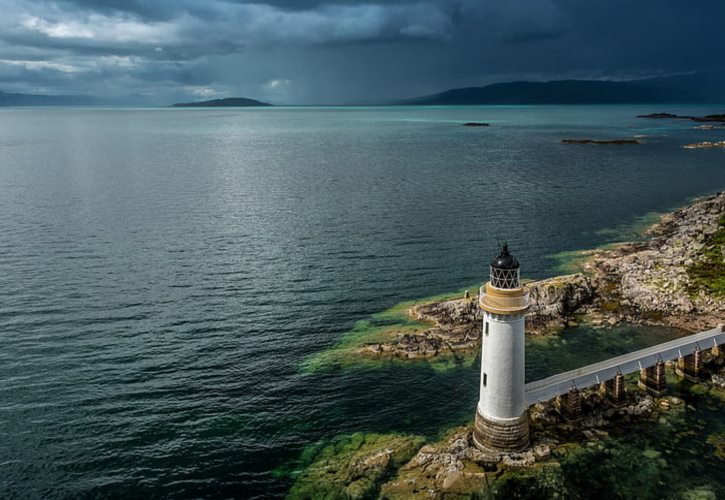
649, 362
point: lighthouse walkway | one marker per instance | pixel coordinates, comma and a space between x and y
594, 374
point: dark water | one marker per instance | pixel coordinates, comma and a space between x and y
163, 273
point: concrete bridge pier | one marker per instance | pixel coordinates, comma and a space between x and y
570, 405
653, 380
690, 367
614, 389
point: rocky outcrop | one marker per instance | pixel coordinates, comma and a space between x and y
652, 282
354, 466
705, 145
655, 282
455, 468
457, 323
554, 301
397, 466
706, 118
600, 141
456, 329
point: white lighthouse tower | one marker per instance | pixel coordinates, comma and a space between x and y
502, 422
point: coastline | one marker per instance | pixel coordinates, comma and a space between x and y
646, 281
650, 282
647, 433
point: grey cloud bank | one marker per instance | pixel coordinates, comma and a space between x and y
156, 52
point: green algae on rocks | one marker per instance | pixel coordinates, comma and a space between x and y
354, 466
380, 328
718, 442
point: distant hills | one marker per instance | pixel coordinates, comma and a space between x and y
704, 87
228, 102
45, 100
679, 89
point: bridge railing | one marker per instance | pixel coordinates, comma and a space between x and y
587, 376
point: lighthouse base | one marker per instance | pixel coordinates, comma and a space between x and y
510, 435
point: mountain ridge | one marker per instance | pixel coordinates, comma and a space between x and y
16, 99
680, 89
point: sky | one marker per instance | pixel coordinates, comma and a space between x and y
343, 51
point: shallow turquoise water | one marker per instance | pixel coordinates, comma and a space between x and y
163, 272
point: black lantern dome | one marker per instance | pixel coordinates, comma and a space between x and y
505, 260
505, 270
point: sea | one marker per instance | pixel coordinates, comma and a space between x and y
165, 274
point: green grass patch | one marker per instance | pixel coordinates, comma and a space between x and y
709, 272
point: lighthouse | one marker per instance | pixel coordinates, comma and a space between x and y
502, 422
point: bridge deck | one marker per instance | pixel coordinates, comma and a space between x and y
581, 378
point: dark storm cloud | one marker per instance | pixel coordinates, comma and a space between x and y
332, 51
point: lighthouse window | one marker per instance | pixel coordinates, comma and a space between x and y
486, 327
484, 379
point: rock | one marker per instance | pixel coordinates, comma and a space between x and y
705, 145
699, 493
600, 141
542, 452
451, 478
554, 299
519, 460
476, 124
652, 454
707, 118
718, 380
353, 466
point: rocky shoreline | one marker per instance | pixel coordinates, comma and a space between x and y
655, 282
675, 278
404, 466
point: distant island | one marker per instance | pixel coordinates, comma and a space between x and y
7, 99
653, 90
227, 102
672, 116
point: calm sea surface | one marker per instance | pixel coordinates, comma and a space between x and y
165, 272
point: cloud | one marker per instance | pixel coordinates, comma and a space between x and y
102, 29
205, 92
277, 83
342, 50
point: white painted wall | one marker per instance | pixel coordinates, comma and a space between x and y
502, 360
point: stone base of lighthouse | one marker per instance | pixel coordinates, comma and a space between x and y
510, 435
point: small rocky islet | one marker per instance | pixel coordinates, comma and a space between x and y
708, 122
705, 145
601, 142
671, 116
